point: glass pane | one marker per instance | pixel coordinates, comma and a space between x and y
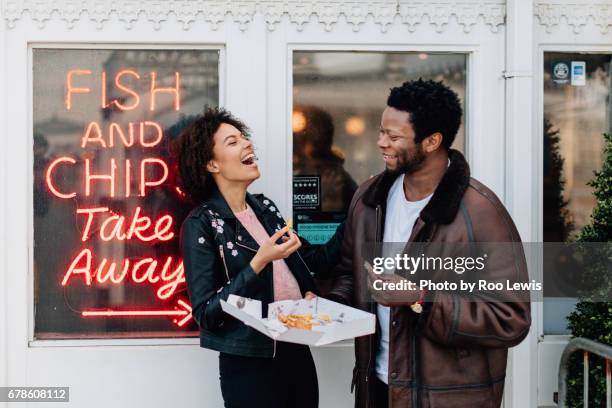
338, 100
576, 114
106, 207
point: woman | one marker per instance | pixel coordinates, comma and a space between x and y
237, 243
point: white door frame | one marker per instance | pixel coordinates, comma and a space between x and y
559, 26
550, 346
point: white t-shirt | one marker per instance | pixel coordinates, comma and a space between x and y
400, 217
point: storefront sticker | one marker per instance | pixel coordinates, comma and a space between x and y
578, 73
307, 193
317, 234
560, 72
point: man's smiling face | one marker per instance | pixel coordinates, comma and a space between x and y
396, 141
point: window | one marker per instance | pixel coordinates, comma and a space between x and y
338, 99
107, 210
576, 114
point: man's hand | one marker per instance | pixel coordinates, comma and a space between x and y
391, 297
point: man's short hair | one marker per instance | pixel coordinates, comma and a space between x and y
433, 107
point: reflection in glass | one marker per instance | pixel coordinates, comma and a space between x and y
352, 87
112, 113
580, 115
315, 154
338, 99
576, 114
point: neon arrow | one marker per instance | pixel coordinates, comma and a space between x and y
185, 313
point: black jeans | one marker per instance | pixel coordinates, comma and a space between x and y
381, 391
289, 380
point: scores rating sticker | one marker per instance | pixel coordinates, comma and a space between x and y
307, 193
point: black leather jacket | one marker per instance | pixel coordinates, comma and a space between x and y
217, 251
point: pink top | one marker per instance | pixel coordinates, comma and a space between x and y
285, 285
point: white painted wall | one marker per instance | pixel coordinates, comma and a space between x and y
3, 211
520, 185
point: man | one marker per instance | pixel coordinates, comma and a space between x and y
430, 349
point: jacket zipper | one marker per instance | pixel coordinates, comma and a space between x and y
304, 262
237, 229
415, 390
224, 264
377, 239
246, 247
254, 250
416, 393
297, 252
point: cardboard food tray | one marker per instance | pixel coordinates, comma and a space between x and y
346, 323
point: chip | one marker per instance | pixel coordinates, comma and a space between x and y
303, 321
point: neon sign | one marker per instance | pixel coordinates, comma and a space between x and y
185, 313
94, 134
113, 174
73, 90
144, 271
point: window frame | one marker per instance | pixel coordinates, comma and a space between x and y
472, 58
538, 133
31, 46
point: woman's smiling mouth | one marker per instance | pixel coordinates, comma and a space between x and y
249, 160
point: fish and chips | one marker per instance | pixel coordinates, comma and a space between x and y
304, 321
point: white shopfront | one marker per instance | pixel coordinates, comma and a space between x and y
63, 65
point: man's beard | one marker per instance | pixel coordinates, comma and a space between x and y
409, 163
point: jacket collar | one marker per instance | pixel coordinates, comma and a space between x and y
216, 202
445, 202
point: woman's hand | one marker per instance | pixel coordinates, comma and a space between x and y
309, 295
271, 251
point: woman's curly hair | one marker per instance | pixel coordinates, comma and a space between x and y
194, 149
